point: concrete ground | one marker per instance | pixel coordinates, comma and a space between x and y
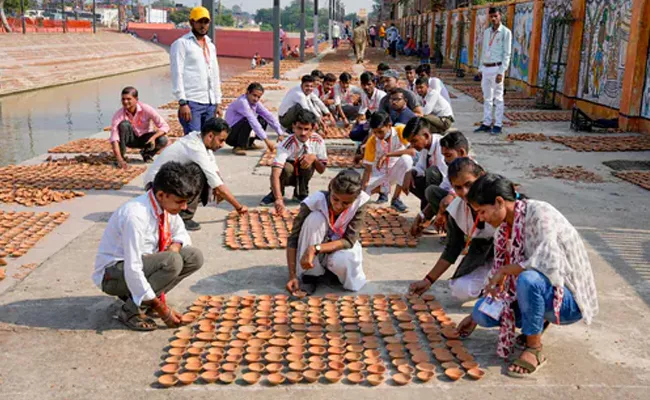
58, 337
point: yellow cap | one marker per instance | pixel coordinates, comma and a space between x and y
198, 13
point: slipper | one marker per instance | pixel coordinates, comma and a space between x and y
530, 368
520, 341
136, 322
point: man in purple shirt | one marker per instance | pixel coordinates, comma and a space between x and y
247, 114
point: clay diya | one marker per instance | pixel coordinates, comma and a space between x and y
406, 369
294, 357
476, 373
449, 365
194, 367
372, 354
188, 377
170, 368
227, 377
251, 377
256, 367
333, 376
211, 367
180, 343
294, 376
167, 380
297, 366
462, 356
229, 367
355, 377
376, 369
357, 366
177, 351
454, 373
336, 365
273, 358
274, 367
400, 361
317, 366
424, 366
401, 379
311, 375
210, 376
276, 379
375, 380
336, 357
173, 360
469, 365
425, 376
318, 351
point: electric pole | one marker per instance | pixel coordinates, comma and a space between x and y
316, 27
302, 31
276, 39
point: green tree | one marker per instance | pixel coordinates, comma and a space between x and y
13, 8
180, 15
264, 15
163, 3
225, 19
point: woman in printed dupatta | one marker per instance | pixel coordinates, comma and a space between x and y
541, 272
325, 237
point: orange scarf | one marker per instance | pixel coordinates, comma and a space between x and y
164, 232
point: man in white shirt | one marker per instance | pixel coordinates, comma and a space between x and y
434, 105
346, 98
196, 151
424, 71
196, 83
145, 250
302, 98
297, 157
411, 76
494, 62
336, 35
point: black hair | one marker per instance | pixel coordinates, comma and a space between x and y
131, 91
177, 179
215, 125
455, 141
305, 117
317, 74
345, 77
494, 10
307, 78
367, 77
255, 86
422, 81
379, 120
346, 182
488, 187
464, 164
423, 68
330, 78
409, 68
414, 126
396, 91
383, 67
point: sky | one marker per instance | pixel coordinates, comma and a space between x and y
252, 5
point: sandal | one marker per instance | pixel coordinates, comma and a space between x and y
520, 341
136, 322
530, 368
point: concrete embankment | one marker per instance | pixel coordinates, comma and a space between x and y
37, 61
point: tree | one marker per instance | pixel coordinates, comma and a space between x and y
13, 8
351, 17
3, 17
163, 4
180, 15
265, 16
225, 19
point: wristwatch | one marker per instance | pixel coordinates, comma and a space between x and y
317, 247
182, 102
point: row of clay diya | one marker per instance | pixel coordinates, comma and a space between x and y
19, 232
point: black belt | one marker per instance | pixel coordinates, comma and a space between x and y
492, 65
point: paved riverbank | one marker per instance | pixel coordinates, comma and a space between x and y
58, 338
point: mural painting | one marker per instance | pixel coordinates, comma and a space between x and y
480, 25
453, 50
645, 104
464, 50
523, 25
604, 44
442, 22
554, 10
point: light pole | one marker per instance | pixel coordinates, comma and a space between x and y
302, 31
94, 17
209, 4
316, 27
22, 15
276, 39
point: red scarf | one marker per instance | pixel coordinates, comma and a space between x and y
164, 232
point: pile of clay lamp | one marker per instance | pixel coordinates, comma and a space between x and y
334, 132
604, 143
36, 184
277, 339
640, 178
264, 229
91, 159
175, 127
505, 124
569, 173
336, 158
20, 231
539, 116
92, 145
527, 137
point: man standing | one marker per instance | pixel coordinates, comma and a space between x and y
196, 152
360, 39
145, 250
392, 35
248, 113
373, 35
336, 35
302, 98
494, 61
196, 83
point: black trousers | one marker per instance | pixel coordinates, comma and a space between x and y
240, 133
432, 178
299, 179
202, 194
129, 139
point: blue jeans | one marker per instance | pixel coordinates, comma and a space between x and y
360, 132
200, 113
534, 305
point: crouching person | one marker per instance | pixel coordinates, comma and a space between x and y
325, 237
145, 250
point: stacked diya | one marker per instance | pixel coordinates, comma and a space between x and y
334, 132
264, 229
92, 145
20, 231
539, 116
604, 143
336, 158
278, 340
640, 178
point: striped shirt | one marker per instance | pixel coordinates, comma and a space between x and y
292, 149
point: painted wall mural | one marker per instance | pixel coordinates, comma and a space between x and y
453, 48
604, 45
554, 10
464, 50
645, 104
442, 21
480, 25
523, 26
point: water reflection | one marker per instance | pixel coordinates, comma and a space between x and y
33, 122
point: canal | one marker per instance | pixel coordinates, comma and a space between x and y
33, 122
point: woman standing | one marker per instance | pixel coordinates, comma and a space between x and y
541, 272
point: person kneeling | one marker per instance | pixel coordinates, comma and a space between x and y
463, 222
145, 250
325, 236
541, 272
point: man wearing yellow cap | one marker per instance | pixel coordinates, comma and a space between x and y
196, 83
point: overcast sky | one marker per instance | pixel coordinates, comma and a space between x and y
252, 5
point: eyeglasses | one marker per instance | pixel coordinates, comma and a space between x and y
396, 99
